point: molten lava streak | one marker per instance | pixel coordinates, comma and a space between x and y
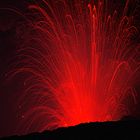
80, 64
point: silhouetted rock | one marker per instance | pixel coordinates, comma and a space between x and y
106, 130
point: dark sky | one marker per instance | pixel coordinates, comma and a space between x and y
8, 44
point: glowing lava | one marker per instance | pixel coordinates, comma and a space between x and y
80, 64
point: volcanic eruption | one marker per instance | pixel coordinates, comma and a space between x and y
79, 61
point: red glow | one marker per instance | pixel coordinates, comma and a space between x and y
81, 62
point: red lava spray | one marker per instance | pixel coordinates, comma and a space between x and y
80, 62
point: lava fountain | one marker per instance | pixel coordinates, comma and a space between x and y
80, 64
